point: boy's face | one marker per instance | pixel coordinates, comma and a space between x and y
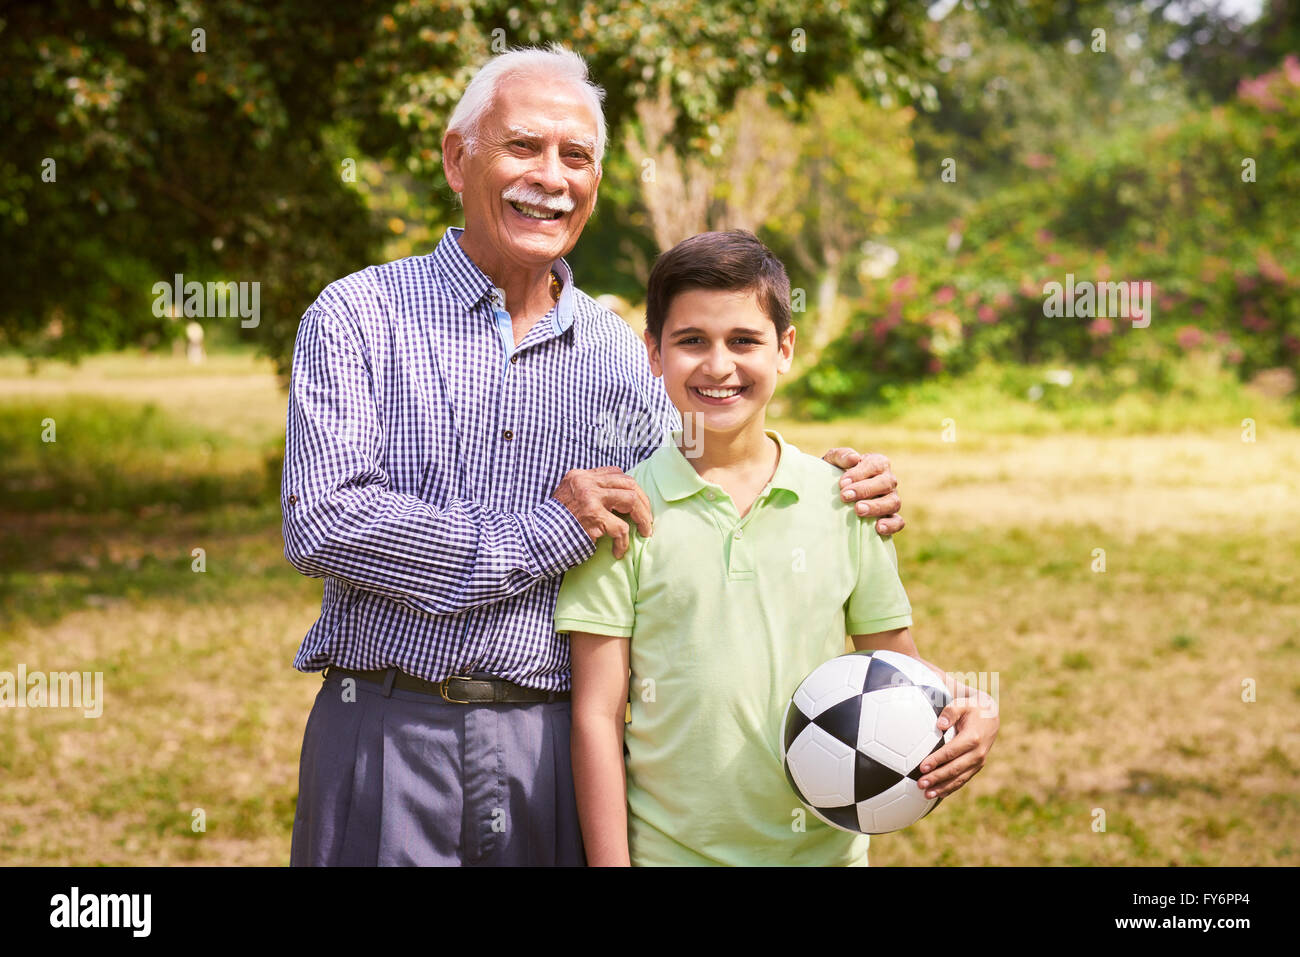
720, 342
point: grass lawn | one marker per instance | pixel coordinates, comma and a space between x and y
1121, 689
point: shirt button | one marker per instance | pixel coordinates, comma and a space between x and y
293, 499
710, 496
739, 533
507, 434
514, 359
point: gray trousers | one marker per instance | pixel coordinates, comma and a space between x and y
408, 779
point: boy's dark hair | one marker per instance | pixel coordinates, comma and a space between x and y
735, 260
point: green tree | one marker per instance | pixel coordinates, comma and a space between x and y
204, 138
855, 169
145, 139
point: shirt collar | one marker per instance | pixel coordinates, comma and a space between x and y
471, 285
677, 478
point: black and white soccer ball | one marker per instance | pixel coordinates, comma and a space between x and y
855, 733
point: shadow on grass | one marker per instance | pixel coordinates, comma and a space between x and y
53, 564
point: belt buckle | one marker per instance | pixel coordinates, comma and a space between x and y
442, 689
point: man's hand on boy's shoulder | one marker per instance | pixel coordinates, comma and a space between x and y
975, 716
869, 482
597, 497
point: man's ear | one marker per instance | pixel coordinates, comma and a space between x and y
785, 351
652, 353
595, 195
453, 155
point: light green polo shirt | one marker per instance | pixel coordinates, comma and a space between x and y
727, 615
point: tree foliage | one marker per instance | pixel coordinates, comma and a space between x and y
215, 154
169, 151
1203, 208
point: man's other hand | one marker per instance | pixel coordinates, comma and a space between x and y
870, 484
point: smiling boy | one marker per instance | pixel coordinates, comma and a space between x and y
753, 577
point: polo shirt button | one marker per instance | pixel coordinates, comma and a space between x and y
710, 496
507, 434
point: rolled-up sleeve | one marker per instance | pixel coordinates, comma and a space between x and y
342, 517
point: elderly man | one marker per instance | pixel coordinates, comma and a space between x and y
445, 463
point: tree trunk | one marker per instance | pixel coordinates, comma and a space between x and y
828, 290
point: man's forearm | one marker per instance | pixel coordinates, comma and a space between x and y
439, 561
343, 518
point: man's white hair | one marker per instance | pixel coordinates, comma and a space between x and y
554, 63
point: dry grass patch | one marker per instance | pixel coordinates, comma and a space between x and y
1121, 689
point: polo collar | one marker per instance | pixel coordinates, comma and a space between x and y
677, 478
471, 285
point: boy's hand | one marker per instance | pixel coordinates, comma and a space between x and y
976, 719
869, 482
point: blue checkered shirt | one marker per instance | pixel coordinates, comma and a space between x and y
422, 447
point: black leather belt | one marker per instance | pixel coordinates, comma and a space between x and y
456, 689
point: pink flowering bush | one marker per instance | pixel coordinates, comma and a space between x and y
1205, 210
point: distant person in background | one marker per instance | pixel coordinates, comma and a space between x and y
194, 343
444, 466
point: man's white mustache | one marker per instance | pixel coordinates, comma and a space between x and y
530, 196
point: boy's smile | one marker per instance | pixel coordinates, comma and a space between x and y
719, 396
719, 358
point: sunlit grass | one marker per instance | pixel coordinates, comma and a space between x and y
1121, 690
1159, 396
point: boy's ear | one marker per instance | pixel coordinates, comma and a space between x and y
652, 352
785, 351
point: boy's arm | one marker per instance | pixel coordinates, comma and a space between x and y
900, 640
974, 714
599, 702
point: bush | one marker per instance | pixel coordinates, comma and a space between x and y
1173, 207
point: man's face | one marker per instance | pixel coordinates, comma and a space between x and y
720, 358
536, 154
